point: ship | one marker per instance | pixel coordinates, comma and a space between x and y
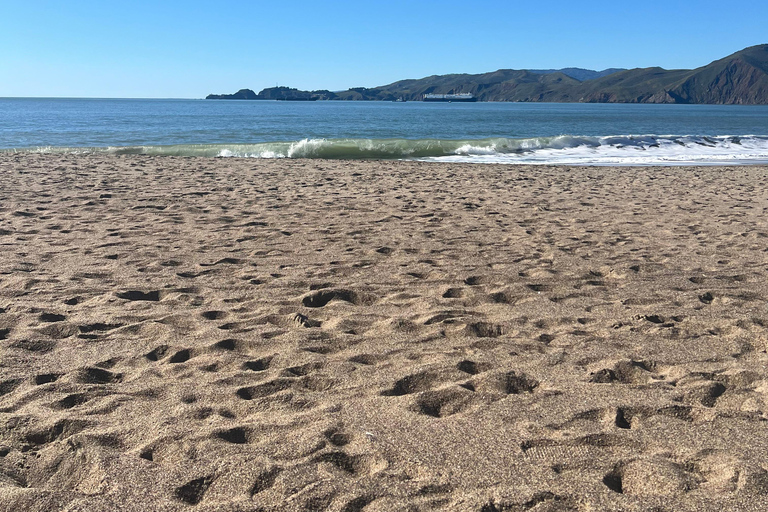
460, 97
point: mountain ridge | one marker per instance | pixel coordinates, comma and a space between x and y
739, 78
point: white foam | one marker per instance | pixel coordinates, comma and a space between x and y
623, 150
306, 148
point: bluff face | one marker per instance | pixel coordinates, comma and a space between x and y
741, 78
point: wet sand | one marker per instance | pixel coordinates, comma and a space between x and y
241, 335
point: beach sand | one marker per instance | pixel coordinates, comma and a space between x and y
242, 335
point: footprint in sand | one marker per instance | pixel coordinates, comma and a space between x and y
193, 491
508, 383
265, 480
443, 402
652, 477
137, 295
627, 372
321, 298
414, 383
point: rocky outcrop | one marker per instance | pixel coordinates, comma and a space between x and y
242, 94
276, 93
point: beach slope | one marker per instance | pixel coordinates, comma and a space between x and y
239, 335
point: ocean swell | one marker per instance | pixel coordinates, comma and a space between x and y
563, 149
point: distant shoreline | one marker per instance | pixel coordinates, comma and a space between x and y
740, 78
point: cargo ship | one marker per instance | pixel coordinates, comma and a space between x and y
464, 96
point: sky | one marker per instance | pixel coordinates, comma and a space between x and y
174, 49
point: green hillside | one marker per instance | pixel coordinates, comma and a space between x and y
740, 78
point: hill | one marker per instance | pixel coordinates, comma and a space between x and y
579, 74
740, 78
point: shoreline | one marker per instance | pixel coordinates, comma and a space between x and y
306, 334
581, 150
687, 165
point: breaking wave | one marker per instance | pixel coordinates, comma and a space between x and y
563, 149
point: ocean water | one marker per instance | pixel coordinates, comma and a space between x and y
538, 133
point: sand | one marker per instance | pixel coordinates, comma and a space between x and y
241, 335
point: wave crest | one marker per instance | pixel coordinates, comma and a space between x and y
563, 149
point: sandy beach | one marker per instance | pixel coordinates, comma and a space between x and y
251, 335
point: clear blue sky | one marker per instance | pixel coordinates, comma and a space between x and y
189, 49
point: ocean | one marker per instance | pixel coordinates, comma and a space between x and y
510, 133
